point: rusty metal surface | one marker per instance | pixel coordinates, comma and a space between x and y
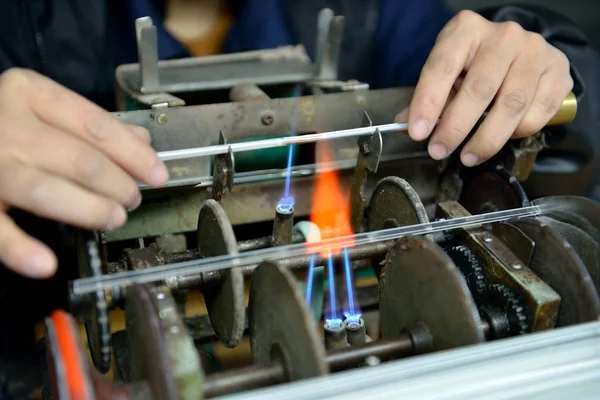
394, 199
492, 189
555, 261
97, 324
224, 297
162, 353
196, 126
502, 266
577, 219
283, 225
335, 337
393, 203
420, 284
176, 210
281, 327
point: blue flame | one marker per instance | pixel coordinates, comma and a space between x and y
293, 132
352, 307
353, 320
332, 305
334, 323
285, 204
309, 280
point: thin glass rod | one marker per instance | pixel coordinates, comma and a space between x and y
89, 285
276, 142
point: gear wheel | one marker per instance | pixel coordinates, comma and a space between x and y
97, 325
471, 268
502, 296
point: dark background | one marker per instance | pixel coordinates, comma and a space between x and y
586, 13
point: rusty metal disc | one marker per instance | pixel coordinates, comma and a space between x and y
395, 203
225, 298
281, 327
97, 324
577, 219
492, 188
161, 351
419, 283
556, 263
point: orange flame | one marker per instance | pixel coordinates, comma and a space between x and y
331, 206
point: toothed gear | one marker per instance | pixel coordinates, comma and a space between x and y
97, 324
503, 297
471, 268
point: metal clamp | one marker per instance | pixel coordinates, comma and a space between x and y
369, 155
223, 171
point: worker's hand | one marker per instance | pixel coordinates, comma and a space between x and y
473, 63
64, 158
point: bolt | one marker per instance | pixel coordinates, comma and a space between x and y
517, 266
487, 238
160, 296
162, 119
372, 361
174, 330
267, 118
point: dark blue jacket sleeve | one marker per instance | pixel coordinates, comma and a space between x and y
406, 34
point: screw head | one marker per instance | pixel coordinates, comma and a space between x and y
267, 118
487, 238
162, 119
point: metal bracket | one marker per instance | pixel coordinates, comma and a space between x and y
330, 29
369, 155
369, 147
223, 171
147, 44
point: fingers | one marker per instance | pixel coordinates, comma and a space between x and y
482, 82
513, 100
23, 254
49, 196
74, 114
140, 133
69, 157
548, 97
457, 43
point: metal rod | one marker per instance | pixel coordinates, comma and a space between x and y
277, 142
247, 378
257, 376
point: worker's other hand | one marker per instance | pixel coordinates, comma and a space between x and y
65, 159
473, 63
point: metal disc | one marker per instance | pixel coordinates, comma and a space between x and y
161, 351
281, 327
419, 283
577, 219
97, 326
492, 189
225, 298
395, 202
556, 263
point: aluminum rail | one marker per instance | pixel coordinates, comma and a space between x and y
121, 279
277, 142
